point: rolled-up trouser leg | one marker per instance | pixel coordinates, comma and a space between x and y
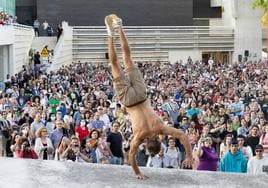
130, 89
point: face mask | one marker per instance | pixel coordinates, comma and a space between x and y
53, 118
83, 123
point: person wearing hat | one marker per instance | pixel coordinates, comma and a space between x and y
258, 164
233, 160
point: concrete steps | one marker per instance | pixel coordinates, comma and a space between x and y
40, 42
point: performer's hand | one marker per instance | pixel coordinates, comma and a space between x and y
141, 176
188, 162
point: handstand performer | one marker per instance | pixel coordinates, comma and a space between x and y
131, 90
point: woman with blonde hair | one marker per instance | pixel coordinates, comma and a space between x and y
63, 145
43, 145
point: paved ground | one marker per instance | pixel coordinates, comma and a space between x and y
35, 173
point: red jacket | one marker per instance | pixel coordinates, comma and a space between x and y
29, 155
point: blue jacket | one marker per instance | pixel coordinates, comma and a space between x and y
233, 163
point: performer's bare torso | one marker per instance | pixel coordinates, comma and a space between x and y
145, 122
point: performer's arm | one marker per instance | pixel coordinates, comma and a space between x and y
132, 157
179, 134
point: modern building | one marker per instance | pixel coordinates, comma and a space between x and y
170, 30
8, 6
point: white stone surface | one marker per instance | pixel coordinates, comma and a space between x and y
63, 52
36, 173
16, 41
248, 30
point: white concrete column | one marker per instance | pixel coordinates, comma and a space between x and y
248, 30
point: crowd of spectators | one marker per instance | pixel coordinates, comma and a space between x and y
73, 115
6, 19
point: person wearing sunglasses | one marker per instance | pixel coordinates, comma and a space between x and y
259, 163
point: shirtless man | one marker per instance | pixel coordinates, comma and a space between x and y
131, 90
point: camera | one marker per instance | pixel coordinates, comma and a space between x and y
26, 144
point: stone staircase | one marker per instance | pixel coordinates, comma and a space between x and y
40, 42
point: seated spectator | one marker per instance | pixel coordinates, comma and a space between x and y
234, 160
24, 149
43, 145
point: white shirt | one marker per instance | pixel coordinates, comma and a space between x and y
158, 162
247, 152
175, 157
255, 165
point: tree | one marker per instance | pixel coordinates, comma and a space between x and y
264, 5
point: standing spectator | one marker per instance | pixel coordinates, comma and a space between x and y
246, 150
57, 134
234, 160
73, 152
159, 161
82, 131
253, 138
208, 157
24, 149
257, 163
97, 123
43, 145
37, 62
143, 154
114, 140
59, 31
45, 26
90, 151
62, 146
103, 116
264, 141
36, 125
103, 150
36, 27
173, 153
50, 31
225, 145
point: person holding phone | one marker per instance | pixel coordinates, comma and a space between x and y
24, 149
208, 157
73, 152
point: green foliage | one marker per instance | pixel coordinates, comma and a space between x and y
260, 3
